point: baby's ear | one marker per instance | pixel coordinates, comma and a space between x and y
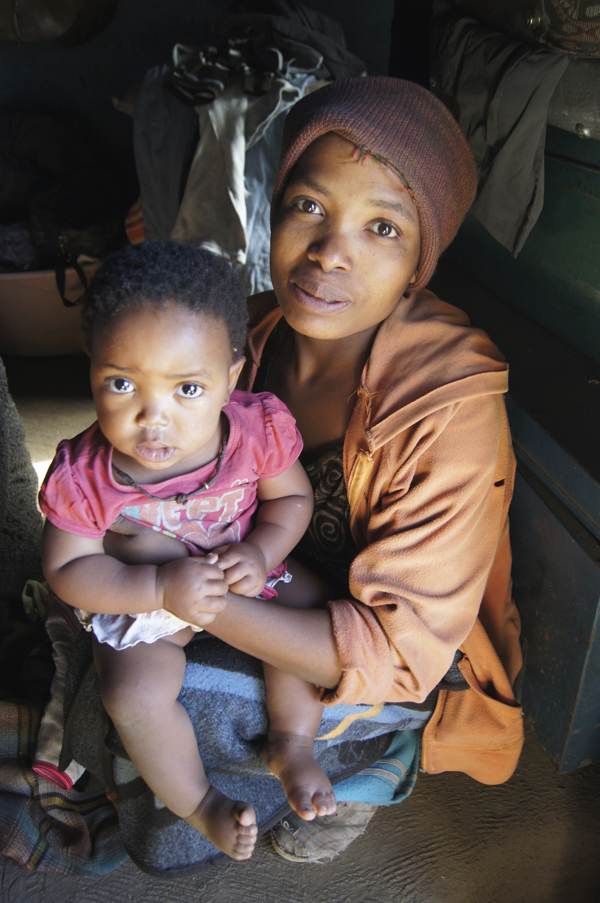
413, 278
234, 372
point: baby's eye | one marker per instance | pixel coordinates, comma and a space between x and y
119, 385
385, 229
190, 390
307, 205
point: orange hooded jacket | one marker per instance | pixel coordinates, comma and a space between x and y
429, 473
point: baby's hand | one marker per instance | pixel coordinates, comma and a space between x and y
244, 568
193, 589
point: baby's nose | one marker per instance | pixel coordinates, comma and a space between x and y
152, 416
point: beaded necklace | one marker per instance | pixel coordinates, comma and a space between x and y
182, 497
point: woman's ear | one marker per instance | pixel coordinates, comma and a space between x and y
234, 372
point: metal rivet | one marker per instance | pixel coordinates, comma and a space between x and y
582, 131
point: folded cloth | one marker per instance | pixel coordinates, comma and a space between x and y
501, 90
62, 628
238, 147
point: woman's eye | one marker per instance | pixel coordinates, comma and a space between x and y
190, 390
306, 205
385, 229
119, 385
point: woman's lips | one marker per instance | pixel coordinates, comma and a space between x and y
321, 300
155, 454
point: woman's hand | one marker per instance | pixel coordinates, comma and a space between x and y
193, 589
244, 568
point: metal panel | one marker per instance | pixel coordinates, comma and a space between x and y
555, 525
557, 587
556, 278
556, 468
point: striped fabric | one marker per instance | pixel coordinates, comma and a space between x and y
388, 781
42, 827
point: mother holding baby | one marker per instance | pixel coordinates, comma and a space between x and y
400, 405
401, 589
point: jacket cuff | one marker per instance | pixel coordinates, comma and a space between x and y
363, 654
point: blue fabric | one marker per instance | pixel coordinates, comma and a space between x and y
388, 781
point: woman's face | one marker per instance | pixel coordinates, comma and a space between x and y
345, 242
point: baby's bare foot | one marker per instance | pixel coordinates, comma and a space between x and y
229, 824
290, 758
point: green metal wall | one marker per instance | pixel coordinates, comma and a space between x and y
555, 281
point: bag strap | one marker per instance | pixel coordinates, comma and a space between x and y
60, 274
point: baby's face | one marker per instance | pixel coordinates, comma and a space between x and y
160, 378
345, 242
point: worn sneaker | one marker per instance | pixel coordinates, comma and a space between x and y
323, 838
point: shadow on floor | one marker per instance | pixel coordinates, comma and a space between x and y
533, 840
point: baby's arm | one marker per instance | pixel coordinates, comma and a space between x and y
284, 512
82, 575
134, 543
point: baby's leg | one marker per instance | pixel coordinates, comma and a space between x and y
139, 688
295, 710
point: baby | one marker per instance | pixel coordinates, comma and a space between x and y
183, 489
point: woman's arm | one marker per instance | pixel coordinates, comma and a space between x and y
434, 533
432, 536
299, 641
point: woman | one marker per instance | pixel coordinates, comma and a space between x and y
392, 386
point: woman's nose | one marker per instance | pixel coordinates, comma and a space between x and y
331, 251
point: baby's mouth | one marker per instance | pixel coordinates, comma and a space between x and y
154, 452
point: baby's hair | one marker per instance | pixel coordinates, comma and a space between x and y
159, 272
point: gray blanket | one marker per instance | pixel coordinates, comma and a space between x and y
224, 695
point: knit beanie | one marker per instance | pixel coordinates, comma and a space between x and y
405, 126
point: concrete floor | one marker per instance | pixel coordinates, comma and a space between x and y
532, 840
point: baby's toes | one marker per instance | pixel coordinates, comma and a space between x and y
245, 842
302, 803
246, 817
324, 802
243, 850
247, 835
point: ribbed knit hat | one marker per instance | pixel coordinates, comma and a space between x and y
407, 127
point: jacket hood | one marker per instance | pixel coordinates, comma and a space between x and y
425, 356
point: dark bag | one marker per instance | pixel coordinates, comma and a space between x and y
79, 216
60, 179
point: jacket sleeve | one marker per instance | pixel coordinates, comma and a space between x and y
431, 537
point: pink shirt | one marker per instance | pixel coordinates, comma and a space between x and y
80, 495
